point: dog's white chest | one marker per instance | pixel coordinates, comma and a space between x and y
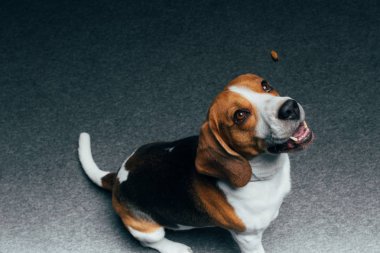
258, 203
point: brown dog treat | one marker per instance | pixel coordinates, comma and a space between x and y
274, 55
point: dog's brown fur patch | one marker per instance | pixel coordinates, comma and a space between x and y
129, 220
214, 202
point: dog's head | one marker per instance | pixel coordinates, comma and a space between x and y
248, 118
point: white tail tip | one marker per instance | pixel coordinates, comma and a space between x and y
88, 164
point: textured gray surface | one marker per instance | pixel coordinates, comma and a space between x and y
132, 72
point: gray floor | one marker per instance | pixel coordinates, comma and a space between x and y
132, 72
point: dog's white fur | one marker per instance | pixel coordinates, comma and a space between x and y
156, 240
258, 203
122, 174
88, 164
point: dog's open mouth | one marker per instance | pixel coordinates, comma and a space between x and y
300, 139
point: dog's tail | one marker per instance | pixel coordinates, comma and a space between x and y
104, 179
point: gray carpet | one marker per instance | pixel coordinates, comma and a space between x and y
133, 72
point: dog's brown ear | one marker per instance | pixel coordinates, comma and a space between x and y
215, 158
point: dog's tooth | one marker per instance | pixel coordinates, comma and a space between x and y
294, 139
305, 125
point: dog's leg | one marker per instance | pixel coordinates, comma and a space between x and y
149, 233
157, 241
249, 242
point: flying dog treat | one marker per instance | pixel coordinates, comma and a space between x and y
274, 55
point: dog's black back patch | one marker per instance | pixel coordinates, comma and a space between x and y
160, 183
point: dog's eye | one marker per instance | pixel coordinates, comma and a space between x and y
265, 85
240, 116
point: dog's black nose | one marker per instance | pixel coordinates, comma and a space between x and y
289, 110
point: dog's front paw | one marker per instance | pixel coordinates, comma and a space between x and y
181, 248
259, 249
167, 246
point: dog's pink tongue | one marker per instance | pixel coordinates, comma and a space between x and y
302, 132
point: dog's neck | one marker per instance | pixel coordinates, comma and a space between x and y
266, 166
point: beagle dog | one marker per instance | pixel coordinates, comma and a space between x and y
234, 175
